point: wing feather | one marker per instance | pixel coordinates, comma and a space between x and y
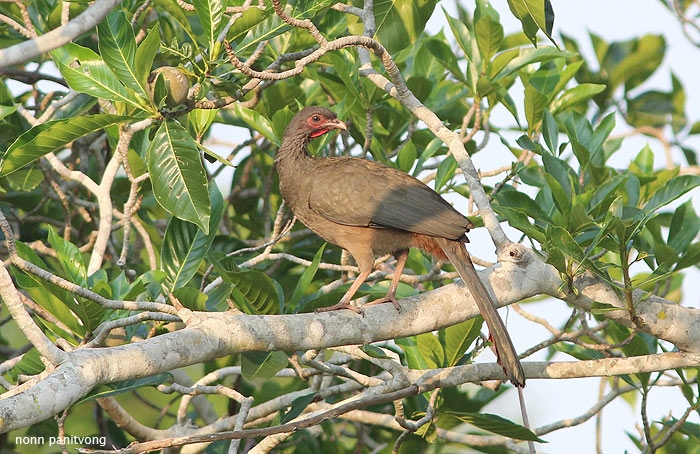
366, 193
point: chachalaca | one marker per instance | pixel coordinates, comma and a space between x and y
370, 210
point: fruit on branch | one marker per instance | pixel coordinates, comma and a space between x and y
176, 86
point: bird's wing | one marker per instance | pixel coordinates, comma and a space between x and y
353, 191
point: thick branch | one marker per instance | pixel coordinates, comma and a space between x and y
520, 274
656, 316
58, 37
430, 380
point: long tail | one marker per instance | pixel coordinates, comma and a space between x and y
505, 352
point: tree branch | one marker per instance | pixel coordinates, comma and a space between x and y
57, 37
432, 379
519, 275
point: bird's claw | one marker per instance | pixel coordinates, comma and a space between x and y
386, 299
341, 305
359, 310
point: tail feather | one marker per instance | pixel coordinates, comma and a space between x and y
505, 352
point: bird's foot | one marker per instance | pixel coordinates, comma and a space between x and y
389, 298
341, 305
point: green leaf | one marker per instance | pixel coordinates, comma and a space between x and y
217, 299
559, 177
250, 18
263, 365
30, 364
254, 292
522, 202
414, 357
444, 54
70, 258
257, 122
643, 164
200, 120
598, 308
457, 339
177, 175
346, 69
685, 225
121, 288
692, 430
210, 13
534, 15
257, 26
575, 95
487, 29
407, 157
690, 257
642, 56
550, 131
599, 138
400, 22
468, 44
374, 351
118, 48
298, 406
561, 196
86, 72
191, 298
604, 194
498, 425
268, 25
527, 56
25, 179
431, 350
535, 103
9, 110
185, 245
146, 53
669, 192
520, 221
445, 172
304, 282
577, 351
115, 388
52, 136
653, 108
563, 240
54, 299
560, 239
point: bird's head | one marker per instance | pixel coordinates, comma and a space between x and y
314, 121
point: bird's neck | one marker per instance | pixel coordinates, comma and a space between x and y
295, 167
293, 154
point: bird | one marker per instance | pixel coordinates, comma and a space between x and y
370, 210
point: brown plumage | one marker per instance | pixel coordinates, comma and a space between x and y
370, 210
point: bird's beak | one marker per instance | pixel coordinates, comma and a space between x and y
328, 126
336, 124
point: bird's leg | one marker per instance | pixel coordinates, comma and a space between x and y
344, 302
401, 257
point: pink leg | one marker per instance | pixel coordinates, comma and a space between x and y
390, 296
344, 302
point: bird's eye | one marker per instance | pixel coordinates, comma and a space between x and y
315, 118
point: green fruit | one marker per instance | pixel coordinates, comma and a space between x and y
176, 84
